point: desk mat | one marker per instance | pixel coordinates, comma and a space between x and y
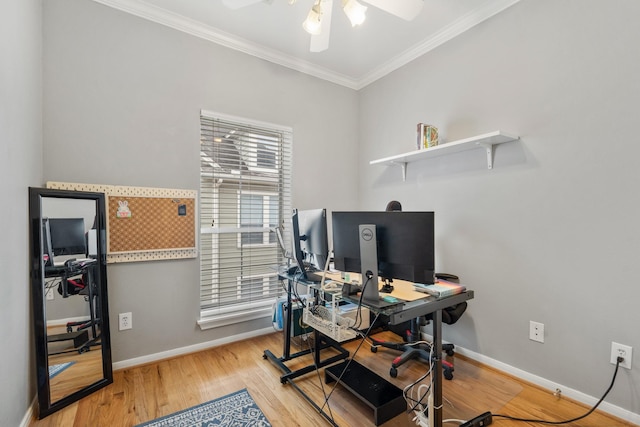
402, 289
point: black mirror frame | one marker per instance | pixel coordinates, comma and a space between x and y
46, 407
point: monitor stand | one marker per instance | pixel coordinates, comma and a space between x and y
369, 267
369, 262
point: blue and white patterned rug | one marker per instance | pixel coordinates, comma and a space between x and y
236, 409
56, 369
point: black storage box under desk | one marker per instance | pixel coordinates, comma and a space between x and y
385, 398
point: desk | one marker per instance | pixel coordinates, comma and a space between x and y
63, 273
397, 313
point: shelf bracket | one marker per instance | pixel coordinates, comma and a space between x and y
489, 148
403, 165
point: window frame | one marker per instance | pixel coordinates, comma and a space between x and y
214, 312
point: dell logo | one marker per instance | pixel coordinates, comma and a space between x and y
366, 234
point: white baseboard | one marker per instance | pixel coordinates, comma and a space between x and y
189, 349
609, 408
614, 410
26, 420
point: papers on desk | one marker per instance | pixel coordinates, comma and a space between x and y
440, 289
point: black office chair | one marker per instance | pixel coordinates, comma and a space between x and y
410, 331
411, 334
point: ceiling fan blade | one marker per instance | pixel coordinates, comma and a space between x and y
237, 4
405, 9
320, 42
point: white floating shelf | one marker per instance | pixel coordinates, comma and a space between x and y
487, 140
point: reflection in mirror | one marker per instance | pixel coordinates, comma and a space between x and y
69, 293
71, 324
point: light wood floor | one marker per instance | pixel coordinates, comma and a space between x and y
147, 392
85, 370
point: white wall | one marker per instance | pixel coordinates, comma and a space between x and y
121, 106
20, 167
551, 234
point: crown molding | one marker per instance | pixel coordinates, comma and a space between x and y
178, 22
198, 29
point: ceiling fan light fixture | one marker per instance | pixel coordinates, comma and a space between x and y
354, 11
312, 24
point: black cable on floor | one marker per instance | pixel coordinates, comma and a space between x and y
613, 380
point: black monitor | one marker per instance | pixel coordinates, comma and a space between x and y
311, 246
404, 242
67, 236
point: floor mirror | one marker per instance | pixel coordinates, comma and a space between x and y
69, 294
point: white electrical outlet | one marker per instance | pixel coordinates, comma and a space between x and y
536, 331
125, 321
50, 294
623, 351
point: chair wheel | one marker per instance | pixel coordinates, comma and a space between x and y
450, 353
374, 349
393, 372
448, 375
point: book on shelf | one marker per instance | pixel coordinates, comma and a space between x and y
440, 289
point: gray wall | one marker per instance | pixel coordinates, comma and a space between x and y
20, 167
551, 234
122, 101
538, 237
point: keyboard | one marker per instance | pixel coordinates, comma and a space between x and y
314, 276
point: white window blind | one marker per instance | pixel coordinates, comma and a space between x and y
245, 192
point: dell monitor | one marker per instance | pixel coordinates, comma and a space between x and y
311, 246
404, 245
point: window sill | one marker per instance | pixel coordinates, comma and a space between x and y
216, 318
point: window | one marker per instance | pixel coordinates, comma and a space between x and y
245, 192
257, 211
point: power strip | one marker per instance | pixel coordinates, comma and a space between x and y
426, 420
479, 421
421, 419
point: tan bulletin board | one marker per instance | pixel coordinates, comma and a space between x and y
147, 223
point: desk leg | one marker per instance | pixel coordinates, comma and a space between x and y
437, 379
286, 342
326, 416
286, 345
92, 307
320, 343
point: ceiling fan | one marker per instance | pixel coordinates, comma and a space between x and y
318, 22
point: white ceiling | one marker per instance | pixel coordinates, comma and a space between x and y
356, 56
